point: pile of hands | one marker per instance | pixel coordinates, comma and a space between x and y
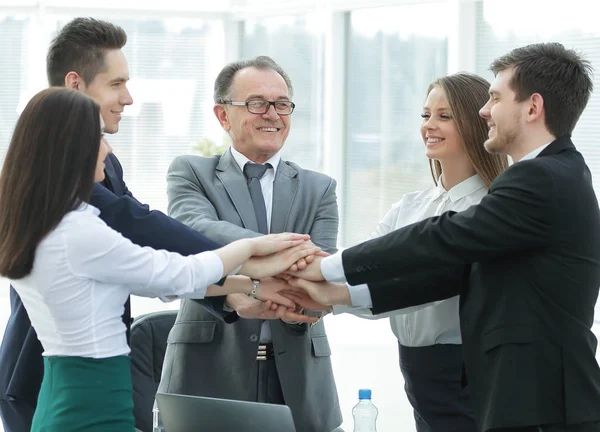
292, 287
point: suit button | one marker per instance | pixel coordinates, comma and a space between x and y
253, 338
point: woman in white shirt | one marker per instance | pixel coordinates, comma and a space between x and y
429, 335
74, 273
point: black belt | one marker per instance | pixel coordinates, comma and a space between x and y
265, 352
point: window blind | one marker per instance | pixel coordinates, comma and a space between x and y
296, 44
390, 65
14, 52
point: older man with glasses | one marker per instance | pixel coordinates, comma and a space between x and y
246, 192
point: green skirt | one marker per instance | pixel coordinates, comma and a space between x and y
85, 394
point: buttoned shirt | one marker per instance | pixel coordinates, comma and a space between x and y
433, 323
266, 185
83, 272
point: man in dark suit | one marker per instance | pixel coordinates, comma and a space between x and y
525, 261
86, 55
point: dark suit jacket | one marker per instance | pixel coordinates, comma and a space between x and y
21, 365
527, 300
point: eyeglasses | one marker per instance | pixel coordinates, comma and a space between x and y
259, 106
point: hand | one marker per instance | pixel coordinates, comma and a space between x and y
265, 266
325, 293
303, 262
302, 299
312, 272
249, 308
272, 243
270, 288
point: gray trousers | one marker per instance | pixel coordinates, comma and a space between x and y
264, 383
265, 386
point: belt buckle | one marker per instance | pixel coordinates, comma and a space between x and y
264, 352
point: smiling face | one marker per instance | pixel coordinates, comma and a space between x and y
439, 132
504, 115
109, 89
256, 136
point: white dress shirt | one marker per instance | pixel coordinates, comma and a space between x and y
83, 272
433, 323
535, 153
266, 185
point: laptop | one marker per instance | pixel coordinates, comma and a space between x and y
181, 413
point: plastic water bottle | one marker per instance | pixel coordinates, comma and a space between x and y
157, 424
364, 412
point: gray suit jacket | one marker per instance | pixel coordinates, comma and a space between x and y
207, 357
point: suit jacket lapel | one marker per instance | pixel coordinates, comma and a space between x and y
229, 173
285, 188
111, 179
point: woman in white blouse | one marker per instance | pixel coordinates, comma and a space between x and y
429, 335
74, 273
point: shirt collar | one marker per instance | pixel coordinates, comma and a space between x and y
87, 207
534, 153
461, 190
242, 160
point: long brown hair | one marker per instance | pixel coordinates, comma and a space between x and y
466, 93
48, 171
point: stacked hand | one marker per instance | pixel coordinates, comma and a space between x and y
269, 303
276, 253
297, 263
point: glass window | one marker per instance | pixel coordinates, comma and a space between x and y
14, 56
296, 44
392, 60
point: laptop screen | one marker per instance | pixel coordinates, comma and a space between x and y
181, 413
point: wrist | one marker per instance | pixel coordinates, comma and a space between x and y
252, 246
254, 289
339, 295
234, 301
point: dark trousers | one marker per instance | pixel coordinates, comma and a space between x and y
16, 415
264, 383
432, 377
582, 427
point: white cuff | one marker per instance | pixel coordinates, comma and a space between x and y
211, 272
360, 296
208, 270
332, 268
213, 267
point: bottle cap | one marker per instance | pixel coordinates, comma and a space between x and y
364, 394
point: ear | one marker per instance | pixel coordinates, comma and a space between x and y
536, 107
222, 116
73, 81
